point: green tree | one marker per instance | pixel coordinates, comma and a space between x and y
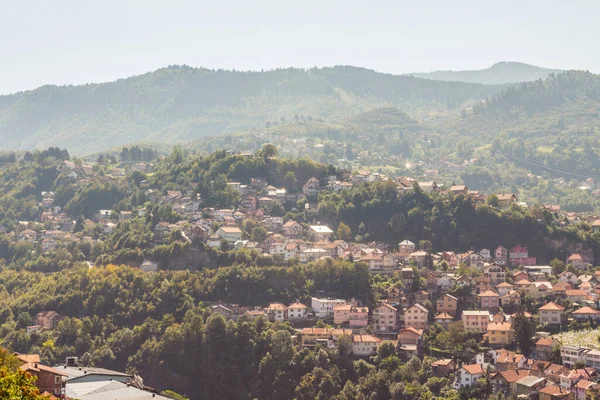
524, 330
343, 232
492, 201
79, 224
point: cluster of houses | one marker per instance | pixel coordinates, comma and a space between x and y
72, 380
485, 305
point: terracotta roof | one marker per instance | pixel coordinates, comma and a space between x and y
315, 331
504, 285
513, 375
444, 316
388, 306
524, 282
365, 339
420, 307
474, 369
585, 310
28, 358
338, 331
276, 307
505, 356
583, 384
297, 305
499, 326
413, 330
552, 306
576, 292
553, 390
442, 363
545, 341
488, 293
505, 196
574, 257
231, 229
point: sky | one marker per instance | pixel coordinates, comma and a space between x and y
82, 41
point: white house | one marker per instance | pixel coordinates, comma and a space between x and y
468, 375
296, 311
230, 233
324, 307
320, 232
364, 345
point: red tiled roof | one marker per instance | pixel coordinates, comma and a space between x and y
499, 326
585, 310
545, 341
576, 292
488, 293
514, 375
473, 369
552, 306
554, 390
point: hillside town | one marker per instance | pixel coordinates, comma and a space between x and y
500, 297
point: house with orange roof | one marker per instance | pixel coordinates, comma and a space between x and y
447, 304
576, 261
506, 381
593, 392
476, 321
48, 379
410, 335
499, 333
385, 319
443, 367
468, 375
581, 387
561, 288
292, 229
417, 317
506, 360
443, 319
374, 261
364, 345
504, 287
585, 314
553, 392
277, 312
297, 310
568, 276
518, 275
505, 200
510, 299
543, 347
312, 336
489, 300
577, 295
570, 378
551, 314
522, 285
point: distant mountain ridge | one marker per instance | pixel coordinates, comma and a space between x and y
182, 103
498, 74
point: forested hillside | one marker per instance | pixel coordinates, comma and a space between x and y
183, 103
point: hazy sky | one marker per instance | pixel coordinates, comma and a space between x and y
79, 41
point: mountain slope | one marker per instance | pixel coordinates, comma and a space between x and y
183, 103
499, 73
